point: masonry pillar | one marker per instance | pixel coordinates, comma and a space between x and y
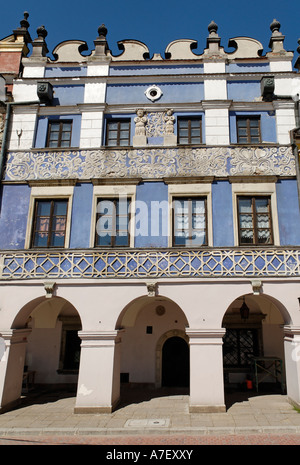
206, 370
12, 357
292, 363
99, 372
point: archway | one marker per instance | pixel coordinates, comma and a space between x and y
51, 349
175, 363
253, 346
147, 323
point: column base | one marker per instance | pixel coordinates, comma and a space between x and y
10, 406
95, 409
207, 408
295, 404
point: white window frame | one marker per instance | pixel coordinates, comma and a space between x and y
190, 190
109, 192
255, 189
49, 193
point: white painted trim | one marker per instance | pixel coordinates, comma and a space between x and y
193, 190
255, 189
49, 192
110, 191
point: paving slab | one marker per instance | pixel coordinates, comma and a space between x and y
151, 413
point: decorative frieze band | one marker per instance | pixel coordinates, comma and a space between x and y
150, 163
151, 264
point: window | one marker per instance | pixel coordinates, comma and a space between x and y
189, 221
49, 227
118, 132
239, 347
112, 223
255, 220
189, 131
248, 130
59, 134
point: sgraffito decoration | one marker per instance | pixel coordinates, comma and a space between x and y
154, 163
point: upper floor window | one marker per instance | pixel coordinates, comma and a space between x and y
189, 131
50, 220
59, 133
189, 221
255, 223
248, 130
112, 222
118, 132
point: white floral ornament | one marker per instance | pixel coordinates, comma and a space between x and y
153, 93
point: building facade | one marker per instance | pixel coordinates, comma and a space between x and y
150, 227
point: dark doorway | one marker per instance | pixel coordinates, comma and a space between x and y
175, 363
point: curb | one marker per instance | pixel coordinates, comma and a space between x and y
275, 430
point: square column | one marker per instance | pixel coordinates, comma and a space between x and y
206, 370
12, 357
98, 388
292, 363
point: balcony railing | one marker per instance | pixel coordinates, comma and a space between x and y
154, 263
153, 162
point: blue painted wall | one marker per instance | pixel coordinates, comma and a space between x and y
58, 71
81, 216
267, 124
68, 94
14, 214
288, 212
243, 91
154, 69
172, 92
42, 128
247, 67
222, 214
151, 223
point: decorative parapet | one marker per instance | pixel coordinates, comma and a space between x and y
151, 264
151, 163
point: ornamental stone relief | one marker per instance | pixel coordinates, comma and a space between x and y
152, 163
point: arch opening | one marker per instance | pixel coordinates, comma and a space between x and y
147, 323
253, 349
52, 351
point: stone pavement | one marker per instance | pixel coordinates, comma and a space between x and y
155, 413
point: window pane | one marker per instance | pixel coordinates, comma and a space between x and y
43, 208
54, 136
113, 126
183, 123
40, 240
67, 127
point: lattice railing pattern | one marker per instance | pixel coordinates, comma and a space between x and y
153, 263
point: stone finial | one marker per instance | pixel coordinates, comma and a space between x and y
275, 26
213, 40
212, 28
22, 31
102, 31
101, 45
41, 32
24, 23
39, 47
277, 39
